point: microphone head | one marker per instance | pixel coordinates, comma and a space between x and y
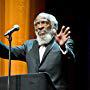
14, 28
17, 27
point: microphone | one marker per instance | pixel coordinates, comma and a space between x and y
14, 28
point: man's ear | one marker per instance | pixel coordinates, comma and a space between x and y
54, 31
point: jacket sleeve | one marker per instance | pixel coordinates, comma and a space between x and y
17, 53
69, 53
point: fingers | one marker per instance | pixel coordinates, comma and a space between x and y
68, 33
64, 31
67, 30
68, 37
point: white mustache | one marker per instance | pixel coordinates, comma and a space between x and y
42, 31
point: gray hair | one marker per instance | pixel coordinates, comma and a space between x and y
51, 18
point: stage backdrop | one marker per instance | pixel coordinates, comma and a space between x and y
21, 12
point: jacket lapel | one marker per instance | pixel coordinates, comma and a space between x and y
34, 53
48, 49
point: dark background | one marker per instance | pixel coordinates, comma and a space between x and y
76, 15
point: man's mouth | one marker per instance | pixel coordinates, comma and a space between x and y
41, 33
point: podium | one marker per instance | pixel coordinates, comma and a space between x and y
36, 81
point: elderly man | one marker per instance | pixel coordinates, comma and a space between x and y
44, 54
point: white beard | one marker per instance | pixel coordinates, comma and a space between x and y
44, 39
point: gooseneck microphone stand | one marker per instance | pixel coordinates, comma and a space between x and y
9, 37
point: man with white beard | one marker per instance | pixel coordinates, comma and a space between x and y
45, 53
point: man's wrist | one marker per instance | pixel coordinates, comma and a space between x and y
64, 49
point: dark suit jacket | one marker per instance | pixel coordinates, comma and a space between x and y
51, 62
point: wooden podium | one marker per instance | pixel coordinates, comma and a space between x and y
36, 81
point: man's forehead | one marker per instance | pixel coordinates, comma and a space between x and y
41, 18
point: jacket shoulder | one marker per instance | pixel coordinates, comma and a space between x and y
30, 41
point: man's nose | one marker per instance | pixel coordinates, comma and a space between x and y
40, 27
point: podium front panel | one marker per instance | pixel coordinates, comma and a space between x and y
27, 82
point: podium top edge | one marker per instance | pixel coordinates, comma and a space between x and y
29, 74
